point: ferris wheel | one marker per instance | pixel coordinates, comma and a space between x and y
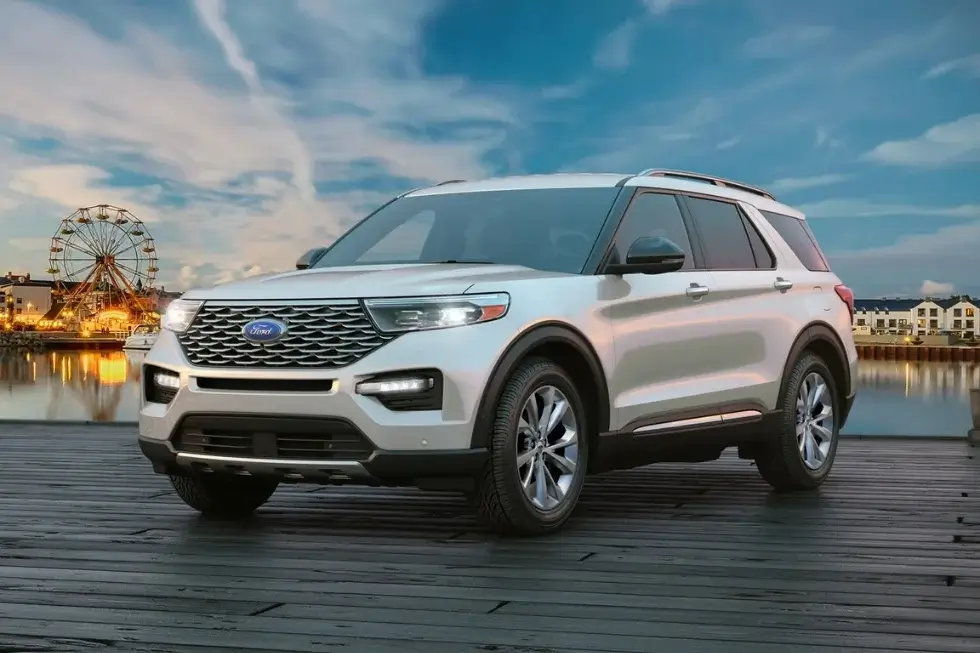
102, 257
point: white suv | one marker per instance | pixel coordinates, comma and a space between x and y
505, 338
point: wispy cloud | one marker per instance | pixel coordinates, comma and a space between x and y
615, 50
860, 208
790, 184
952, 142
952, 250
729, 143
969, 65
237, 157
661, 7
786, 41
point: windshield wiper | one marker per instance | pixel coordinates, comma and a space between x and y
460, 261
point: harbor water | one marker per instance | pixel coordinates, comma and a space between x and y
894, 397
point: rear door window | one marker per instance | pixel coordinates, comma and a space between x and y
723, 235
800, 239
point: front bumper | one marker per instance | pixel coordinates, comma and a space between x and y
450, 428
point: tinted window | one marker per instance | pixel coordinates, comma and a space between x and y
763, 255
652, 215
723, 237
551, 229
800, 239
403, 243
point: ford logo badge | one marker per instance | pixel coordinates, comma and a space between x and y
264, 332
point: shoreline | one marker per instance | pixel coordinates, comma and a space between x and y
924, 353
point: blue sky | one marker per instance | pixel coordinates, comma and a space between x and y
244, 132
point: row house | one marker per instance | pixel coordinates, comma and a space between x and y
959, 316
890, 316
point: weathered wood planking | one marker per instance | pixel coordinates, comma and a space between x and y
96, 553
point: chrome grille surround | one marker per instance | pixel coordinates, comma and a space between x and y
321, 334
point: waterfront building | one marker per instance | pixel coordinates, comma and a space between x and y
962, 316
24, 299
957, 316
930, 317
890, 316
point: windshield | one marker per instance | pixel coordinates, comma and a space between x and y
551, 229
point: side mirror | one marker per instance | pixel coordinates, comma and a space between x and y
309, 258
650, 255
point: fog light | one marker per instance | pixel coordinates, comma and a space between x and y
394, 386
164, 380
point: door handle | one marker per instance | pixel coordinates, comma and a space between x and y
782, 284
696, 291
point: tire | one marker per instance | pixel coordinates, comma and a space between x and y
500, 498
223, 496
784, 464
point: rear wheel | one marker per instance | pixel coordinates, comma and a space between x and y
803, 451
539, 453
223, 496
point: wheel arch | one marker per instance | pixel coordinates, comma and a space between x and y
567, 347
821, 339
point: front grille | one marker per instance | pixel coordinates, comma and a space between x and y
319, 335
282, 438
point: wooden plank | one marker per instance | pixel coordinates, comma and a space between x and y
97, 552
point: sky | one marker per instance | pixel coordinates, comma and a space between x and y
244, 132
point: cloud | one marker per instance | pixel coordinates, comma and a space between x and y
790, 184
823, 139
565, 91
75, 185
969, 66
214, 146
933, 288
898, 268
616, 47
857, 208
661, 7
729, 143
211, 13
786, 41
952, 142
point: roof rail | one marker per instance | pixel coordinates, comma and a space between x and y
450, 181
717, 181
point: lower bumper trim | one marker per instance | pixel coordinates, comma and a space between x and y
381, 468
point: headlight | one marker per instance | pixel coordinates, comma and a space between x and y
419, 313
180, 313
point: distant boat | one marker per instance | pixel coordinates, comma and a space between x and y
142, 337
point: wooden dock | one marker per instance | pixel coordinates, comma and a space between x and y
97, 554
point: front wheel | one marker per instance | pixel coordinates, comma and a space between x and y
803, 451
223, 496
539, 452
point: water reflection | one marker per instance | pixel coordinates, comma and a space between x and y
70, 385
913, 398
894, 398
921, 378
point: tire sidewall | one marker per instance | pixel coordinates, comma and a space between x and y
804, 368
551, 375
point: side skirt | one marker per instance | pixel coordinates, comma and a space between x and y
688, 436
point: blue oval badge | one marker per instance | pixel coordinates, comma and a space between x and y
264, 331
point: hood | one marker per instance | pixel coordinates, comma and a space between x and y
362, 281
